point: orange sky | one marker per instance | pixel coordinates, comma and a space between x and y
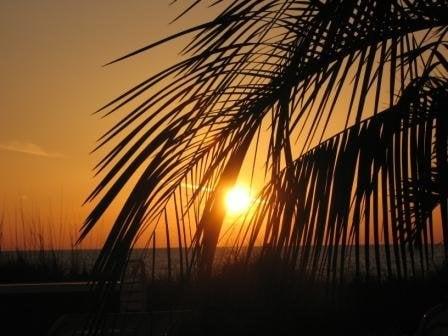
52, 80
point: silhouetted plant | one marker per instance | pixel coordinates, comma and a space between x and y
281, 69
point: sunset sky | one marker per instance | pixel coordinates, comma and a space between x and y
51, 84
53, 80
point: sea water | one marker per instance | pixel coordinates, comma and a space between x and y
159, 261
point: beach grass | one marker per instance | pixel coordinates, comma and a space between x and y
238, 299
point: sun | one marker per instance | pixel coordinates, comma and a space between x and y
237, 200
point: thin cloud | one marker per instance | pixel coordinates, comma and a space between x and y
28, 148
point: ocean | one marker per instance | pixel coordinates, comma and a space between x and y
85, 259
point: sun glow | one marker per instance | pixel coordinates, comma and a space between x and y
237, 200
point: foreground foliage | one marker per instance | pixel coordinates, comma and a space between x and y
286, 72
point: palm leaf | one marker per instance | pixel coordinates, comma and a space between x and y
193, 123
376, 184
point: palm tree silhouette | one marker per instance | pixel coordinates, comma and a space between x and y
285, 70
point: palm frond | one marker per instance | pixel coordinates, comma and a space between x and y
193, 123
373, 186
